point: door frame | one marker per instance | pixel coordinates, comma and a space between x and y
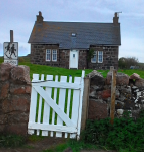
78, 57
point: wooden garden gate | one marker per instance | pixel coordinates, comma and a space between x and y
56, 106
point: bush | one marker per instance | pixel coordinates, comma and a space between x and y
20, 59
125, 63
11, 140
126, 133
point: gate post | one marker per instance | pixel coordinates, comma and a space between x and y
85, 103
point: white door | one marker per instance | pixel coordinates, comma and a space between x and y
73, 63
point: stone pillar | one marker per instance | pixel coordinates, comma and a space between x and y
15, 95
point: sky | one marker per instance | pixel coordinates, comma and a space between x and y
20, 17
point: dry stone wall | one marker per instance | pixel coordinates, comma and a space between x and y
129, 95
15, 93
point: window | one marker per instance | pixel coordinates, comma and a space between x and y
73, 55
48, 55
54, 55
94, 59
100, 56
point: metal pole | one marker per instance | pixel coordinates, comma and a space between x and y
11, 36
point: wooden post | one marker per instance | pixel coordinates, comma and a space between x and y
113, 90
85, 103
11, 36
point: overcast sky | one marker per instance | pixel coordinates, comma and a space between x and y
20, 16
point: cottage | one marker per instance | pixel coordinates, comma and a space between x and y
68, 44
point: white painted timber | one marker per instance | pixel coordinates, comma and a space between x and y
61, 104
54, 106
58, 85
40, 107
75, 105
73, 125
68, 102
53, 128
55, 96
46, 115
33, 103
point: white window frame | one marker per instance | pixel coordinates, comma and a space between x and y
95, 54
99, 56
48, 53
55, 54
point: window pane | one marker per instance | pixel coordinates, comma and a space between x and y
54, 55
93, 59
48, 55
100, 56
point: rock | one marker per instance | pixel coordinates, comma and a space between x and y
135, 76
120, 112
117, 93
119, 105
121, 79
105, 94
92, 94
5, 71
129, 105
122, 97
97, 88
20, 89
97, 110
98, 100
4, 90
139, 82
16, 103
21, 73
96, 78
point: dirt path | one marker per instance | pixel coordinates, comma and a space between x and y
43, 144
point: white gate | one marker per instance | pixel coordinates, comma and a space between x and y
53, 98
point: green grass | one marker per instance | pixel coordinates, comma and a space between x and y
74, 145
47, 70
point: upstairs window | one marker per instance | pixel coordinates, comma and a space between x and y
48, 55
100, 56
54, 55
94, 59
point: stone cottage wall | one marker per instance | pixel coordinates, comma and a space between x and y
15, 93
110, 57
129, 95
38, 54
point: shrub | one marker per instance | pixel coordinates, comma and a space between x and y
126, 133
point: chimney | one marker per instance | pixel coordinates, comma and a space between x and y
115, 19
39, 18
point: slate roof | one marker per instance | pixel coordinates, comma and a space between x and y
87, 34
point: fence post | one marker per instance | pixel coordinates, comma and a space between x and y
113, 90
85, 103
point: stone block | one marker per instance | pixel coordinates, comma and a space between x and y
5, 71
16, 103
21, 73
21, 129
135, 76
3, 119
19, 89
105, 94
97, 110
16, 117
121, 79
4, 89
139, 82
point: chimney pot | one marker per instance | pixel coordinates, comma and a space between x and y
39, 18
115, 18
